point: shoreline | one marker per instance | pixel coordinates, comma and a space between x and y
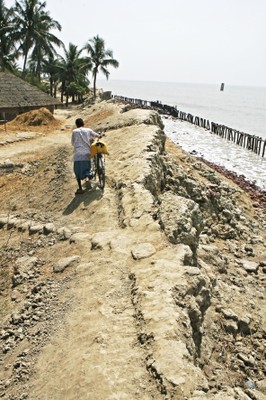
257, 194
227, 108
254, 143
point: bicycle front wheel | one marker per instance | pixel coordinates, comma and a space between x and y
101, 170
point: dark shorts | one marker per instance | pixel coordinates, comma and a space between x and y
82, 169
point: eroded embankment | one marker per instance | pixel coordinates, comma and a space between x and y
169, 283
199, 300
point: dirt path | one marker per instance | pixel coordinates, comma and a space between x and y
122, 294
95, 354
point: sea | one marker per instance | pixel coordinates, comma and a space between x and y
239, 107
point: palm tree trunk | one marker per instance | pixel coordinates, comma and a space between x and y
62, 95
24, 64
94, 84
38, 71
55, 89
51, 86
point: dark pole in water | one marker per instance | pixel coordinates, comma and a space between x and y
222, 87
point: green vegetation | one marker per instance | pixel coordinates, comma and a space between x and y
99, 58
26, 38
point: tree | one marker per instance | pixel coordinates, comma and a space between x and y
76, 91
72, 69
7, 46
43, 46
33, 24
100, 58
51, 70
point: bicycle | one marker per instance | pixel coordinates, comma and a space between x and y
98, 163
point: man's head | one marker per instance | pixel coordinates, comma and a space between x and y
79, 122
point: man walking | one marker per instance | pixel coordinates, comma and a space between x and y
81, 140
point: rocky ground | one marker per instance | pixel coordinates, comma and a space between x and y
152, 289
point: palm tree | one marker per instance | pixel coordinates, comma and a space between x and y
7, 46
33, 29
43, 46
100, 58
51, 69
72, 69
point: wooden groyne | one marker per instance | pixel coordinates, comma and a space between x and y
251, 142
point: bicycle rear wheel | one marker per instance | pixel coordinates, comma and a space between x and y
101, 170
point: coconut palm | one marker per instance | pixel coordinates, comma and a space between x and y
100, 58
50, 71
72, 69
43, 46
7, 46
33, 29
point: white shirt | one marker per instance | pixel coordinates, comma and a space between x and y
81, 140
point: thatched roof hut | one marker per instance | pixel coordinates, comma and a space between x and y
18, 96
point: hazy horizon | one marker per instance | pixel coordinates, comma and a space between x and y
218, 84
208, 41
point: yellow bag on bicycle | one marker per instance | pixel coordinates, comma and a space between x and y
98, 147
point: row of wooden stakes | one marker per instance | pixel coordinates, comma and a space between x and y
250, 142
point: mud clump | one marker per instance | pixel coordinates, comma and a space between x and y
39, 117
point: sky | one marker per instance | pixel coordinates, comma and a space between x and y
198, 41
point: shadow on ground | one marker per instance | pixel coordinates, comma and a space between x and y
85, 198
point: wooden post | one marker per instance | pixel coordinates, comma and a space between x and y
264, 146
248, 142
253, 143
259, 147
255, 149
244, 142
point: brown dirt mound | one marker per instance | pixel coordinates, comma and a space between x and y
39, 117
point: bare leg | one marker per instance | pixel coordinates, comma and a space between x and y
79, 184
79, 190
